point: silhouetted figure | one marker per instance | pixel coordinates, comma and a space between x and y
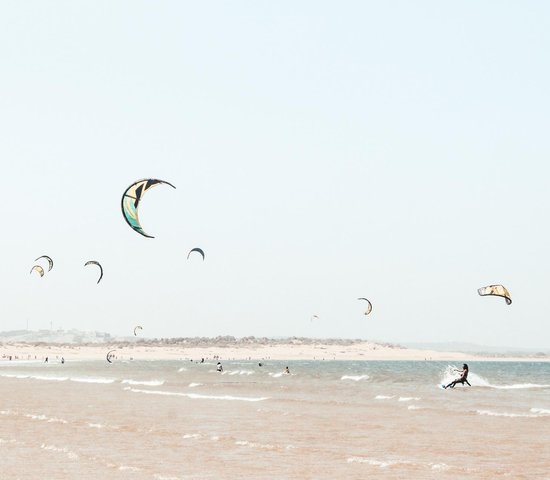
463, 377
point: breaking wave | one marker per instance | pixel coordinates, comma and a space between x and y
147, 383
355, 378
100, 380
196, 395
491, 413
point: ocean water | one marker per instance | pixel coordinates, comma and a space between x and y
172, 420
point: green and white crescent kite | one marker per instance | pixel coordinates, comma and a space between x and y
131, 198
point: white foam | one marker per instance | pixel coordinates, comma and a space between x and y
413, 407
11, 440
36, 417
182, 369
370, 461
540, 411
227, 397
193, 385
407, 399
147, 383
383, 397
388, 463
506, 414
276, 375
96, 425
237, 372
53, 448
7, 375
355, 378
99, 380
197, 396
123, 468
263, 446
46, 418
519, 386
191, 435
56, 420
49, 379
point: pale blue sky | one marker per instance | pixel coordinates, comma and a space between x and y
322, 151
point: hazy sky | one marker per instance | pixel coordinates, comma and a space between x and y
322, 151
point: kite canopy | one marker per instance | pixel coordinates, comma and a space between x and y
50, 261
131, 198
39, 269
138, 327
108, 356
497, 291
369, 305
313, 317
200, 250
93, 262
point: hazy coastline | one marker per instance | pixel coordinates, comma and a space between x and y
231, 348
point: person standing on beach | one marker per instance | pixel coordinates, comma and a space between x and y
463, 377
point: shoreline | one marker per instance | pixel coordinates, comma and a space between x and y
279, 351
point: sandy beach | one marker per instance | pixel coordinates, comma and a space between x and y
273, 351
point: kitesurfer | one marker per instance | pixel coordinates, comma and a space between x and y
463, 377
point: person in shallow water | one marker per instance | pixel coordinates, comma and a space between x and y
286, 370
463, 377
219, 367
